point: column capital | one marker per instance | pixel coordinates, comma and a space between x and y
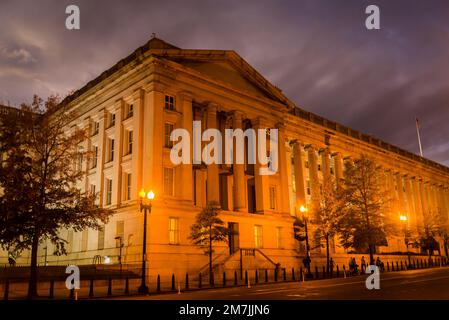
212, 107
308, 147
185, 95
260, 122
138, 94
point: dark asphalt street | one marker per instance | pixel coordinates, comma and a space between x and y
432, 284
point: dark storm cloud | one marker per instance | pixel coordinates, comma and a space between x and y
318, 52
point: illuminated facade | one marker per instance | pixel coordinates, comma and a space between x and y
130, 111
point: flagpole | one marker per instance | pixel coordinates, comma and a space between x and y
419, 137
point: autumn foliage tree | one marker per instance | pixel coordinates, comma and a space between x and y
328, 211
208, 229
39, 172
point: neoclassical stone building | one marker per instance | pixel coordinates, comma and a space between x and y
130, 111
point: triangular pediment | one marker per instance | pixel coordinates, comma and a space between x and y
222, 66
223, 71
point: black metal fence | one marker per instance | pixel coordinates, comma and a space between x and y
158, 284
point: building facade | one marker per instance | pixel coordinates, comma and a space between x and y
130, 111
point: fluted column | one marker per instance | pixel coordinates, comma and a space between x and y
424, 199
213, 190
138, 102
153, 138
118, 153
299, 175
313, 176
401, 201
338, 167
101, 156
185, 100
418, 202
261, 181
326, 163
283, 171
411, 201
238, 170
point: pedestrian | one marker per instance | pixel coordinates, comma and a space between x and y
11, 260
306, 261
363, 264
355, 267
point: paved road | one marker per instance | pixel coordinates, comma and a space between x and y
430, 284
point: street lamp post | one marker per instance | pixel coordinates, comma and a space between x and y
403, 218
304, 211
144, 206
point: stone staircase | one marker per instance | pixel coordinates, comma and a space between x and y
245, 259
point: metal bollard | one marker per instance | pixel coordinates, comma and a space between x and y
224, 279
284, 275
293, 274
338, 271
51, 294
316, 273
91, 288
126, 285
173, 284
158, 283
256, 276
266, 275
236, 280
6, 293
200, 280
109, 286
187, 281
246, 276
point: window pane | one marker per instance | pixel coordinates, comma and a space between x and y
168, 181
173, 231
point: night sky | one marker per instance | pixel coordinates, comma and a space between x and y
318, 52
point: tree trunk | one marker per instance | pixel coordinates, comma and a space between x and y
327, 255
371, 254
32, 285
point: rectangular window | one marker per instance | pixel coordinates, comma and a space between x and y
169, 102
130, 143
111, 149
173, 230
128, 186
111, 119
272, 197
167, 131
306, 164
258, 236
119, 233
108, 191
95, 128
101, 238
279, 237
94, 157
168, 181
92, 189
308, 187
130, 112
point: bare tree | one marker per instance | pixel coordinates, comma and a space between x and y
207, 229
